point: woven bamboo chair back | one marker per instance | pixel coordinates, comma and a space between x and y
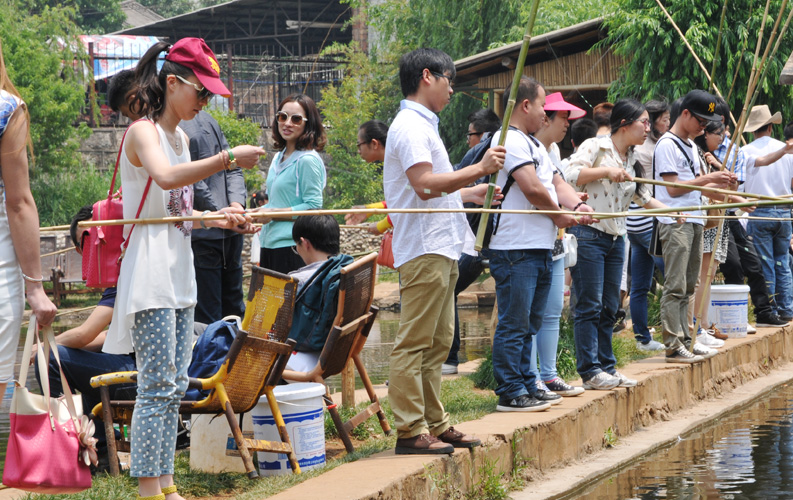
268, 316
356, 292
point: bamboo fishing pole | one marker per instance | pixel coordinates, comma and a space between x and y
691, 49
718, 44
524, 49
706, 188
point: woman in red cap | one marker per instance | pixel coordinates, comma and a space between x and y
156, 287
296, 178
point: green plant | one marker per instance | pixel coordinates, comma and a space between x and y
610, 438
483, 377
240, 131
565, 351
491, 484
443, 483
59, 195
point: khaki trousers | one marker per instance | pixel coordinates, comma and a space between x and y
682, 247
426, 330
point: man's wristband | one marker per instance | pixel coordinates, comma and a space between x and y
204, 226
232, 160
576, 207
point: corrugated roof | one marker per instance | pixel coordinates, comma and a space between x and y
241, 22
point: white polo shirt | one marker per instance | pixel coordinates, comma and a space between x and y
670, 159
413, 138
773, 179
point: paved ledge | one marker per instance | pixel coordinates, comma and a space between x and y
567, 433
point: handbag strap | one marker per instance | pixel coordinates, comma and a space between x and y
142, 198
42, 354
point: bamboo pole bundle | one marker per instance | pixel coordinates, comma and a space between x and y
524, 49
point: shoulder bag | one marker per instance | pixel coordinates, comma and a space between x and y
51, 443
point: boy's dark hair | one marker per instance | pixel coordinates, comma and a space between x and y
413, 64
674, 111
723, 109
85, 213
788, 131
321, 230
118, 88
602, 114
374, 129
484, 120
313, 136
259, 198
581, 130
528, 88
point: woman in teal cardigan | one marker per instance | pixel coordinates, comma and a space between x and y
296, 178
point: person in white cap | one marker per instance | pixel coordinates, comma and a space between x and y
772, 237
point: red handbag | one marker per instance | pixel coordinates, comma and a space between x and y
103, 246
45, 451
385, 257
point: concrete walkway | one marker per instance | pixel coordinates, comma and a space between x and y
573, 432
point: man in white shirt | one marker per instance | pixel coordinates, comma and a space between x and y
417, 174
520, 250
676, 159
771, 238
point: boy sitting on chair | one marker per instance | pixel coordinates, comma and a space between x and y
317, 243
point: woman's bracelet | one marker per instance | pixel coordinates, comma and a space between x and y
204, 226
33, 280
232, 160
576, 207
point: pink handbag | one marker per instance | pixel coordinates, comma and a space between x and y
44, 453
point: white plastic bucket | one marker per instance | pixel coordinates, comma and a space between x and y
729, 309
302, 409
211, 435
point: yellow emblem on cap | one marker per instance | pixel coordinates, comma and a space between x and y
711, 107
214, 64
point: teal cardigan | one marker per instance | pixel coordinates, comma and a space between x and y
297, 183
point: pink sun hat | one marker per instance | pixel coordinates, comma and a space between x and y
555, 102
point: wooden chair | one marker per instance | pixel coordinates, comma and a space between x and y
252, 367
354, 319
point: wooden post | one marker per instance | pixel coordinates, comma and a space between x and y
229, 54
348, 385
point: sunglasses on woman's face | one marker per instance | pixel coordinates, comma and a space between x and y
296, 119
203, 93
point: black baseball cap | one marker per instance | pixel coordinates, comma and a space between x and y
702, 104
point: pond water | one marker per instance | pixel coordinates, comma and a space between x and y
747, 455
475, 340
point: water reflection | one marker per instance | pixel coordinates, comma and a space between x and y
748, 455
475, 339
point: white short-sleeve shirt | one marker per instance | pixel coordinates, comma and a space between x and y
524, 231
413, 138
684, 162
773, 179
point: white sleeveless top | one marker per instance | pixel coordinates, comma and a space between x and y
157, 270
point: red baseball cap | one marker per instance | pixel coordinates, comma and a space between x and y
194, 53
555, 102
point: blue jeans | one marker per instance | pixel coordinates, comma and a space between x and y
79, 366
547, 339
596, 280
218, 276
470, 268
523, 281
162, 340
642, 268
772, 240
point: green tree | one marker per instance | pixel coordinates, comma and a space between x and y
46, 63
368, 91
657, 63
93, 16
240, 131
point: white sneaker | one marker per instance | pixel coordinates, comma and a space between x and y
682, 355
448, 369
602, 382
652, 330
709, 340
750, 329
652, 345
625, 381
701, 350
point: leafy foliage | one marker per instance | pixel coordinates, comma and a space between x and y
657, 63
54, 92
368, 91
93, 16
240, 131
59, 195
